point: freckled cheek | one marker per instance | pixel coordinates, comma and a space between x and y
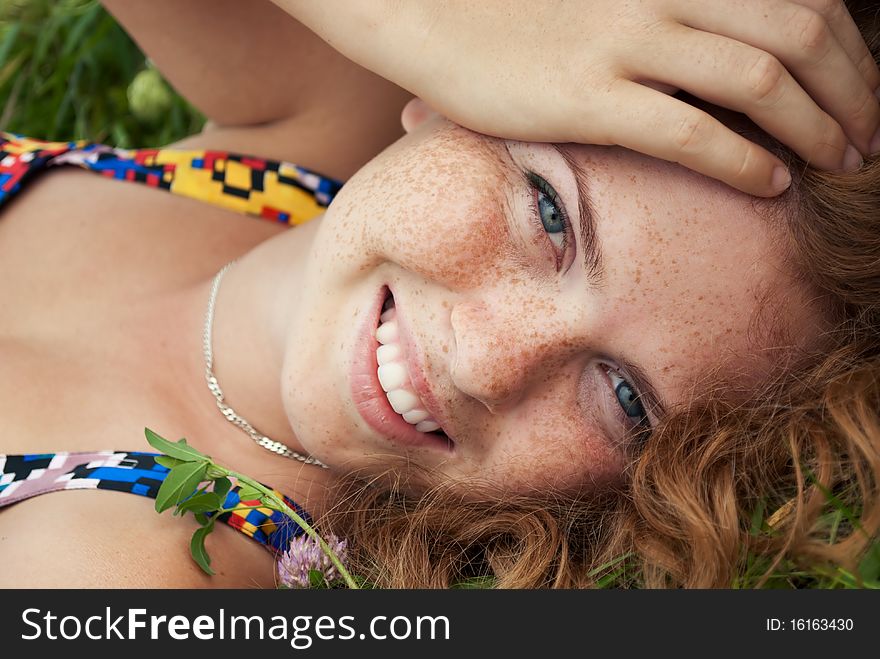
547, 444
461, 242
594, 461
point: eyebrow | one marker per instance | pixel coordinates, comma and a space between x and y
594, 266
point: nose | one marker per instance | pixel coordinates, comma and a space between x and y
500, 352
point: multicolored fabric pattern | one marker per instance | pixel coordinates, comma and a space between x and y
26, 476
271, 189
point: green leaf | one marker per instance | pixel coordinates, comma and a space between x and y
248, 493
169, 462
222, 487
179, 484
180, 450
203, 519
205, 502
197, 548
316, 579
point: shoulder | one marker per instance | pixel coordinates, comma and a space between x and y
102, 539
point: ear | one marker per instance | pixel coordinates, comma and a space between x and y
415, 113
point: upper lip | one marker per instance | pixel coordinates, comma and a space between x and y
415, 358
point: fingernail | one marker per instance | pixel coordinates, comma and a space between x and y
852, 159
781, 179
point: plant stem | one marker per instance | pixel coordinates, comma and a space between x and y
287, 510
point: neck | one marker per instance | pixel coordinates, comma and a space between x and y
254, 308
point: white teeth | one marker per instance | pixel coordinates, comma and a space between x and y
392, 376
387, 333
387, 354
415, 416
427, 426
402, 400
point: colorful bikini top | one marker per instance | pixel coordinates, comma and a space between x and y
268, 189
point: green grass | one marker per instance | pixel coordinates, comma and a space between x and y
66, 72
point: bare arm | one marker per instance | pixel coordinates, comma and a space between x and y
266, 81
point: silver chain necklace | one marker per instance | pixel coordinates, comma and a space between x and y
231, 415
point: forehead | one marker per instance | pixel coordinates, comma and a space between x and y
695, 275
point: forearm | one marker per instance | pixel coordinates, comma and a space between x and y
246, 63
380, 35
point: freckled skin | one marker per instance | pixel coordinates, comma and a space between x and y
512, 346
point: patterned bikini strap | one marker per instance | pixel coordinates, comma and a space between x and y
270, 189
26, 476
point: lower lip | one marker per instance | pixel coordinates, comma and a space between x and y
369, 397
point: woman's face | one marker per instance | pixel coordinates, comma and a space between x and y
539, 334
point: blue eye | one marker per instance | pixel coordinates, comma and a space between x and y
628, 399
550, 212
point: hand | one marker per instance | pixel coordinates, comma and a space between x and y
595, 71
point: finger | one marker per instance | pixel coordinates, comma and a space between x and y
658, 125
847, 34
737, 76
806, 44
415, 113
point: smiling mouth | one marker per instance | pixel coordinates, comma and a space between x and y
394, 376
